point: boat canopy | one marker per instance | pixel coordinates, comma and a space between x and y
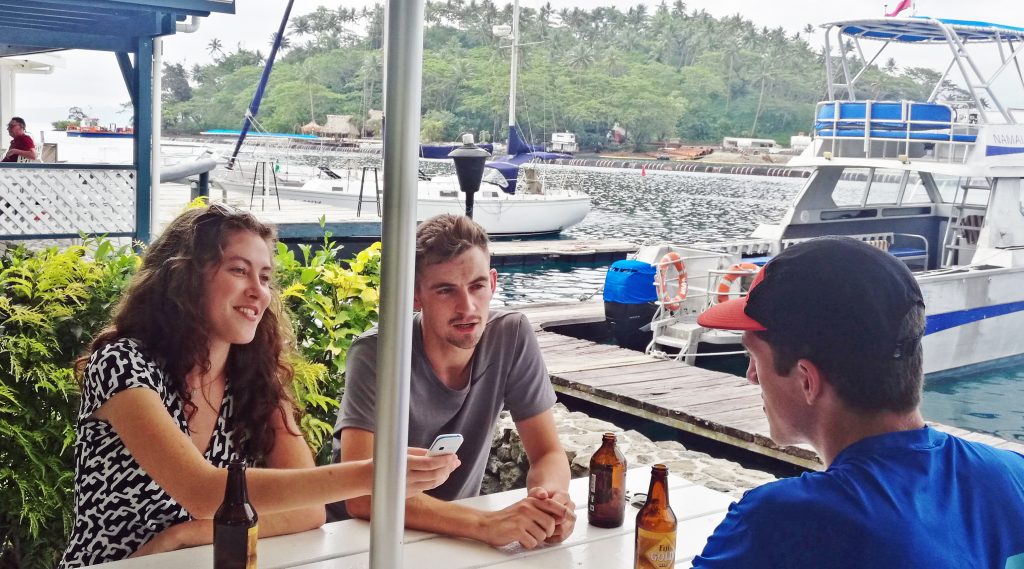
922, 29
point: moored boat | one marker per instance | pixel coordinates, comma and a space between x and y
90, 128
938, 184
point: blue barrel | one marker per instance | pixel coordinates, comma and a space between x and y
629, 302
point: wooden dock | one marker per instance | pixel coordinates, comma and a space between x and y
711, 404
529, 252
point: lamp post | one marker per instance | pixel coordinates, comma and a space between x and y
469, 168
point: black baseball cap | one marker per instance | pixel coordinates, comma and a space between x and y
832, 293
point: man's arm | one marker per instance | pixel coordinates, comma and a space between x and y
549, 467
28, 154
530, 521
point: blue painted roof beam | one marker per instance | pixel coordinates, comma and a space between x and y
103, 25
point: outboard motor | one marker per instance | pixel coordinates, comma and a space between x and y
629, 302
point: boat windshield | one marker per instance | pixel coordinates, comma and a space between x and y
878, 186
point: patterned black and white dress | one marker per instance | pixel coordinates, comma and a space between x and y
118, 507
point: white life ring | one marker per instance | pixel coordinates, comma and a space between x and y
668, 299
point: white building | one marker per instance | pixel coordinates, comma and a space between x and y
563, 142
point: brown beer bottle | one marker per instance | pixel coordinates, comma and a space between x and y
656, 526
606, 503
235, 524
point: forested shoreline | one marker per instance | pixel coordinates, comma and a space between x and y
661, 72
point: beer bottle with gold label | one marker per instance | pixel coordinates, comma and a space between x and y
656, 526
235, 525
606, 503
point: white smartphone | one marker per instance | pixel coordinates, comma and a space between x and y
445, 444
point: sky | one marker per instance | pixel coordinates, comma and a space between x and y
92, 81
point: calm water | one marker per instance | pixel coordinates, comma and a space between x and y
683, 207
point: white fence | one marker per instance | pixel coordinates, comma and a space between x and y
61, 201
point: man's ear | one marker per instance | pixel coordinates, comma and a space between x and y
494, 280
416, 306
812, 380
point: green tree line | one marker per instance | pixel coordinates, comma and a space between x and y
661, 72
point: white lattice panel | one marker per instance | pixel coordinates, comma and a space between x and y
50, 201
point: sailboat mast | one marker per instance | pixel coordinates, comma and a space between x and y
515, 66
254, 106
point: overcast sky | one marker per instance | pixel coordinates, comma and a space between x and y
91, 80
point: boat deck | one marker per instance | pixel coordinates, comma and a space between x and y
711, 404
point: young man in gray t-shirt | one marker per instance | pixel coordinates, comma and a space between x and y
467, 365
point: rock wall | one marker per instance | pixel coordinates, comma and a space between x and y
580, 435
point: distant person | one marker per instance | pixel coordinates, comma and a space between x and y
468, 363
22, 145
834, 329
191, 374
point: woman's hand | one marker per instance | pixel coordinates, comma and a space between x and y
425, 472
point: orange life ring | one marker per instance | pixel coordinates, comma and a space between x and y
735, 272
668, 300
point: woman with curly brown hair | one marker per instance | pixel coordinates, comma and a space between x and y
191, 374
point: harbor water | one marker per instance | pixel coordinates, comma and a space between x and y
653, 206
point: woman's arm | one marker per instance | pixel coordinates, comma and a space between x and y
141, 421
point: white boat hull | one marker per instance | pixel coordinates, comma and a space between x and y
973, 318
499, 213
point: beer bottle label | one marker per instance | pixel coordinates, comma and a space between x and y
655, 550
250, 560
600, 485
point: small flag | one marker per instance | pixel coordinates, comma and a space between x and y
903, 5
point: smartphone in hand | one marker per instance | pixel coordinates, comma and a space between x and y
445, 444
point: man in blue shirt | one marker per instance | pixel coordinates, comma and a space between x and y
834, 329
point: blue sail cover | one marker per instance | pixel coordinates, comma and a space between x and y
442, 151
519, 153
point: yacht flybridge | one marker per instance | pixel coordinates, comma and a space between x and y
936, 183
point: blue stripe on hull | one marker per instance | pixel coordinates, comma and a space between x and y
939, 322
1003, 150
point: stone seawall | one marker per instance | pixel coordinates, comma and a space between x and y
668, 166
580, 434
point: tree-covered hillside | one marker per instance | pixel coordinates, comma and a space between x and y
662, 72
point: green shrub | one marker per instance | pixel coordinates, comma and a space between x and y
53, 301
330, 305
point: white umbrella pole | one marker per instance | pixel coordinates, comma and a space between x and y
404, 63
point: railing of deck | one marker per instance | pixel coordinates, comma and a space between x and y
59, 201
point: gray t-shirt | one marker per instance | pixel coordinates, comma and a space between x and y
507, 371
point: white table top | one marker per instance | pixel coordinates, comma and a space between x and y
345, 545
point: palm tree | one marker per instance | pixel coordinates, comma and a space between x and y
308, 75
285, 42
215, 46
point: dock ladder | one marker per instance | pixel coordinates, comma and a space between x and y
965, 223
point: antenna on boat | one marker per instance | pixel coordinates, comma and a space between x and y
254, 106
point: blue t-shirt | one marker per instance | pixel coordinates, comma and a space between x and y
918, 498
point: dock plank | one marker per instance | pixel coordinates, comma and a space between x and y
715, 405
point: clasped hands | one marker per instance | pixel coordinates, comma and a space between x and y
541, 517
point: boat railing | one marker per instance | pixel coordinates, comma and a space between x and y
901, 130
65, 201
